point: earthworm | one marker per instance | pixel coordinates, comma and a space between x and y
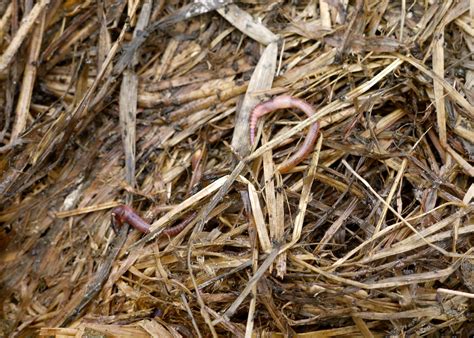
125, 214
283, 102
174, 230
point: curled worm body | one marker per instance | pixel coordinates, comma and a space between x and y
125, 214
283, 102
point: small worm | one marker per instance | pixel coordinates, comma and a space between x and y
174, 230
125, 214
283, 102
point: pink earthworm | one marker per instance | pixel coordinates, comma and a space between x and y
125, 214
283, 102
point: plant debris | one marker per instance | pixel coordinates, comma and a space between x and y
147, 103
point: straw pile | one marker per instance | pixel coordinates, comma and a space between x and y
147, 103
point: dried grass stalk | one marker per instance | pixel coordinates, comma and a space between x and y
147, 103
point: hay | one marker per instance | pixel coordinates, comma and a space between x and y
147, 103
